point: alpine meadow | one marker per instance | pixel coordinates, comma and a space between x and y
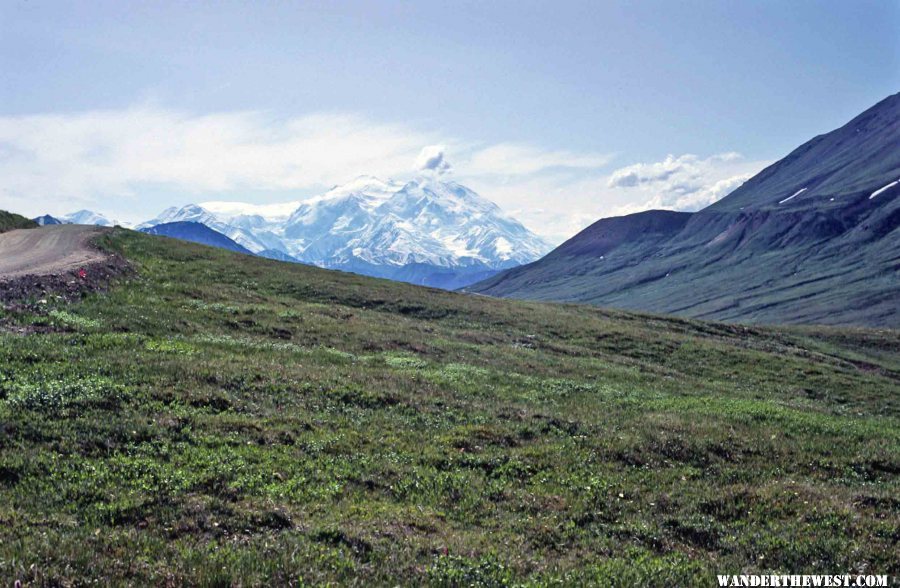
217, 419
450, 294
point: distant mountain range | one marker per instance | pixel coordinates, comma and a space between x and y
426, 231
82, 217
195, 233
814, 238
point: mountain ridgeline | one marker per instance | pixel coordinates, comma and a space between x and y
813, 238
195, 233
81, 217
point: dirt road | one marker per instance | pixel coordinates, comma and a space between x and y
47, 250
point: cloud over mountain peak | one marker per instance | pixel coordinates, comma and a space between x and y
433, 160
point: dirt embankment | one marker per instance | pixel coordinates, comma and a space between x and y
53, 261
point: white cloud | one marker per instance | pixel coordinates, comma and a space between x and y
686, 182
97, 157
649, 173
432, 160
561, 202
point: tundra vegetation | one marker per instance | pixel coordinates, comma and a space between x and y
220, 419
10, 221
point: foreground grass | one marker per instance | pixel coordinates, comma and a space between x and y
220, 419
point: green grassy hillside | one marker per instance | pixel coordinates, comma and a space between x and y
10, 221
220, 419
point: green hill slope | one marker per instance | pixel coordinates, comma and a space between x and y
10, 221
217, 419
812, 239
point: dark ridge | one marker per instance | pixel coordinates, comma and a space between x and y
196, 233
766, 253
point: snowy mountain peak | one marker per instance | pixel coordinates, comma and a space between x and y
47, 220
450, 197
248, 238
370, 223
87, 217
81, 217
365, 183
365, 188
186, 213
422, 221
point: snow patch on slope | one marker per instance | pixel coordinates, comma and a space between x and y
884, 189
794, 195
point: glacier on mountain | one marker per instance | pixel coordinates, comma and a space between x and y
425, 227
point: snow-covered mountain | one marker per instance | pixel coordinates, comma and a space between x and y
47, 220
81, 217
87, 217
320, 227
424, 221
424, 231
237, 228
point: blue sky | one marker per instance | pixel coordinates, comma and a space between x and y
541, 106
